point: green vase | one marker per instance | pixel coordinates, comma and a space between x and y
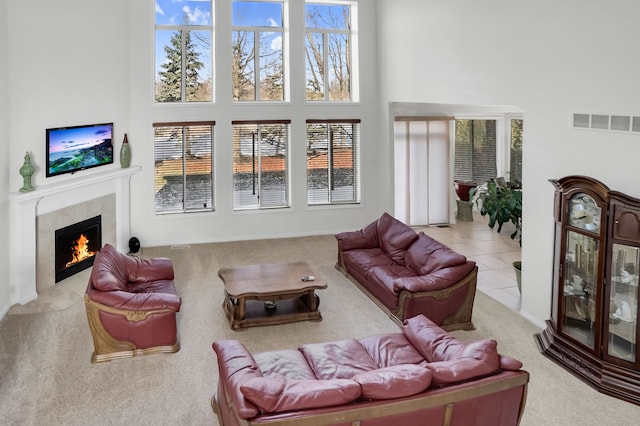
125, 153
26, 171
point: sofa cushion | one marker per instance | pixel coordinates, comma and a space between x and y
386, 275
288, 363
395, 237
392, 382
365, 259
277, 394
391, 349
338, 360
427, 255
109, 271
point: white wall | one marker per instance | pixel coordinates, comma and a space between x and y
68, 65
5, 168
225, 224
85, 61
549, 58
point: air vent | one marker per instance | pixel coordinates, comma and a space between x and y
614, 123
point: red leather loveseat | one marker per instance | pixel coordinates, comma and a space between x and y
419, 376
407, 273
131, 306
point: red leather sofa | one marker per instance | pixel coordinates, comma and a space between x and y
406, 273
131, 306
419, 376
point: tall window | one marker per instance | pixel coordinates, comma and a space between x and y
333, 174
328, 51
475, 151
260, 164
258, 60
183, 51
515, 169
183, 175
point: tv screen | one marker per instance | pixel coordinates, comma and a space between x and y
70, 149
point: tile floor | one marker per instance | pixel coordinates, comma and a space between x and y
493, 252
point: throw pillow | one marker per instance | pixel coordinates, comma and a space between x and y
395, 237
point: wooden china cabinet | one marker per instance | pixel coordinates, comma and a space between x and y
593, 330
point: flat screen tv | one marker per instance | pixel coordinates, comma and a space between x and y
74, 148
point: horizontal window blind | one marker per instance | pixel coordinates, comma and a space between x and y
183, 166
260, 164
475, 151
333, 161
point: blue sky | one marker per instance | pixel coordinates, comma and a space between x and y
196, 12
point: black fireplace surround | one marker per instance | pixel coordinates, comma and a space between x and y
69, 241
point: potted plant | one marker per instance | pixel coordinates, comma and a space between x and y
502, 202
517, 267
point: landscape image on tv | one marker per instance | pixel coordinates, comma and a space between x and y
70, 149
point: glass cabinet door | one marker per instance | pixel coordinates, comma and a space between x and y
623, 300
580, 277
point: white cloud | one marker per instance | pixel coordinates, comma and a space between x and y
159, 9
196, 16
276, 43
272, 22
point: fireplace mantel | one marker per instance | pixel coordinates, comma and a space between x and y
26, 206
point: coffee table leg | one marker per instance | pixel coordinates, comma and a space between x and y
311, 300
240, 309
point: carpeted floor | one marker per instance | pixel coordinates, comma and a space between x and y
45, 347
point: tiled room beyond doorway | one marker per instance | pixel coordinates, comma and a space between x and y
493, 252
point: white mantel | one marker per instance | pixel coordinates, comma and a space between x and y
26, 206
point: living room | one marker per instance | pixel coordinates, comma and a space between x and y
80, 62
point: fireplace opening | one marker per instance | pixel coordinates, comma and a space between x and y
76, 247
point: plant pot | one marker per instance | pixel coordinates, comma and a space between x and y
463, 188
517, 267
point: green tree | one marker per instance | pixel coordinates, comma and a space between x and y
171, 78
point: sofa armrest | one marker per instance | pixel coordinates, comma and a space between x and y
366, 237
136, 301
145, 270
236, 366
438, 280
459, 370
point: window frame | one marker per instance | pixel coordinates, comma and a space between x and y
257, 166
257, 30
331, 170
183, 29
185, 175
351, 33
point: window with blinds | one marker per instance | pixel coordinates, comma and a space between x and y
516, 152
183, 171
260, 164
333, 161
475, 151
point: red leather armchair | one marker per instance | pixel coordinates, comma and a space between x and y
131, 306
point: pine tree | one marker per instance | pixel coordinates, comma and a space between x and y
171, 77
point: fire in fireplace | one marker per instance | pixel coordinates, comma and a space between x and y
76, 246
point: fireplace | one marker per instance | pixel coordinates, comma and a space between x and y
76, 246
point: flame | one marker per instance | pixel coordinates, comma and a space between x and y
80, 250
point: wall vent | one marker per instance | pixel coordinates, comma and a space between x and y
614, 123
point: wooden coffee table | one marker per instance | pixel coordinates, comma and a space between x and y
270, 294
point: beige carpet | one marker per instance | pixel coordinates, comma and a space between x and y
46, 376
